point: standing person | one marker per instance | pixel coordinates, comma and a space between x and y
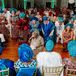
48, 59
23, 24
34, 24
3, 28
67, 36
14, 29
59, 27
47, 28
7, 15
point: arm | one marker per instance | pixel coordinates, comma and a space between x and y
63, 35
72, 34
41, 44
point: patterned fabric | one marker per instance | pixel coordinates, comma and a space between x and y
4, 30
69, 63
20, 64
34, 27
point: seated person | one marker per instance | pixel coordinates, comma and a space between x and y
74, 30
36, 42
70, 63
48, 59
67, 36
25, 54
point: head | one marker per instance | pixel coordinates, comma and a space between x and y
68, 28
5, 10
13, 13
72, 48
35, 34
33, 22
45, 20
49, 45
22, 15
25, 53
38, 13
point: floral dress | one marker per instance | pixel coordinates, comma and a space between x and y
70, 65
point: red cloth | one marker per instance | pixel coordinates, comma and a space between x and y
50, 13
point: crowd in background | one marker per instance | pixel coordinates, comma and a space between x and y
36, 27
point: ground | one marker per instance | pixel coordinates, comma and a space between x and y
11, 51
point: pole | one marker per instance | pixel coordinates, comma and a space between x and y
25, 4
3, 6
53, 3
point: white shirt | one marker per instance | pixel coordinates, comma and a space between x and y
8, 15
48, 59
2, 38
59, 28
71, 1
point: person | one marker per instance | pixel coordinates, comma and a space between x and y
70, 63
34, 24
74, 29
67, 36
2, 40
36, 42
71, 4
48, 59
14, 29
47, 28
26, 55
5, 64
39, 16
59, 27
23, 24
3, 28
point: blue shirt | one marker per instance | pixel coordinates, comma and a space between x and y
47, 28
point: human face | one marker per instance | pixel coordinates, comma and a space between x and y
75, 23
68, 28
37, 13
34, 34
13, 13
33, 22
46, 22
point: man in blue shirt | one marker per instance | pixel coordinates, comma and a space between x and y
47, 28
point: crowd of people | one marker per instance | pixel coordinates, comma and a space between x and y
37, 29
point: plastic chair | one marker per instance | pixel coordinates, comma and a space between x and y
52, 71
4, 72
27, 71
